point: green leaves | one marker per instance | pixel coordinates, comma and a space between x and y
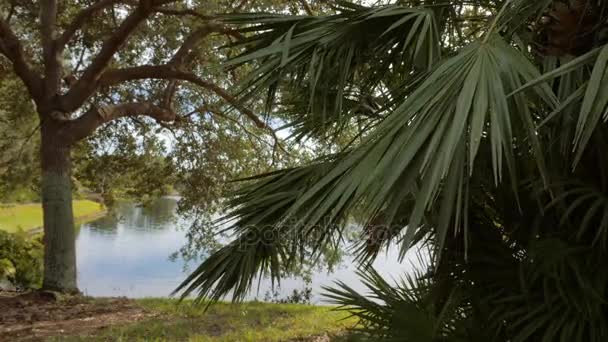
584, 208
266, 243
594, 105
393, 312
468, 151
593, 94
427, 147
561, 296
21, 259
337, 58
233, 268
424, 151
517, 12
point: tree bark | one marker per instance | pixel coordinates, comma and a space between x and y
59, 233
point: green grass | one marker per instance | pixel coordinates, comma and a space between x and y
29, 216
252, 321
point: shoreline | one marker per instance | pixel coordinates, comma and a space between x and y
77, 221
28, 218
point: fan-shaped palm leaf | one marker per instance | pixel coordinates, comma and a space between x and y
470, 148
338, 55
433, 137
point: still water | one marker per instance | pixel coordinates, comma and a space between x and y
128, 254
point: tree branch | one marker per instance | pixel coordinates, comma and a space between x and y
277, 141
189, 12
87, 84
116, 76
240, 5
183, 12
81, 127
170, 93
208, 109
306, 7
11, 47
11, 11
183, 53
52, 62
80, 19
48, 19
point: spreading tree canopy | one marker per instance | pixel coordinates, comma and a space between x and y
481, 136
147, 73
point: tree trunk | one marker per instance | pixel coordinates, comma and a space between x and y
59, 233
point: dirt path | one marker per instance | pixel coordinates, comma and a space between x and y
37, 316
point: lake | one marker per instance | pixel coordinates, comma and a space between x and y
128, 254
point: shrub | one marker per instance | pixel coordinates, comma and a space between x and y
21, 259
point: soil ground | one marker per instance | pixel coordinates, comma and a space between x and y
46, 316
38, 316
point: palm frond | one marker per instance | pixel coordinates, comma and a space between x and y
266, 243
407, 309
425, 150
468, 147
594, 106
389, 311
518, 12
584, 208
427, 146
335, 55
555, 301
593, 94
234, 267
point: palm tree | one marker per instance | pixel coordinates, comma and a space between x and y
479, 133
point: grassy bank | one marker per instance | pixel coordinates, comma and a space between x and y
29, 216
229, 322
121, 319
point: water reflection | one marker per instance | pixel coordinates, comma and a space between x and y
127, 254
158, 215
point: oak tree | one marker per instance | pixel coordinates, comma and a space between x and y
86, 64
